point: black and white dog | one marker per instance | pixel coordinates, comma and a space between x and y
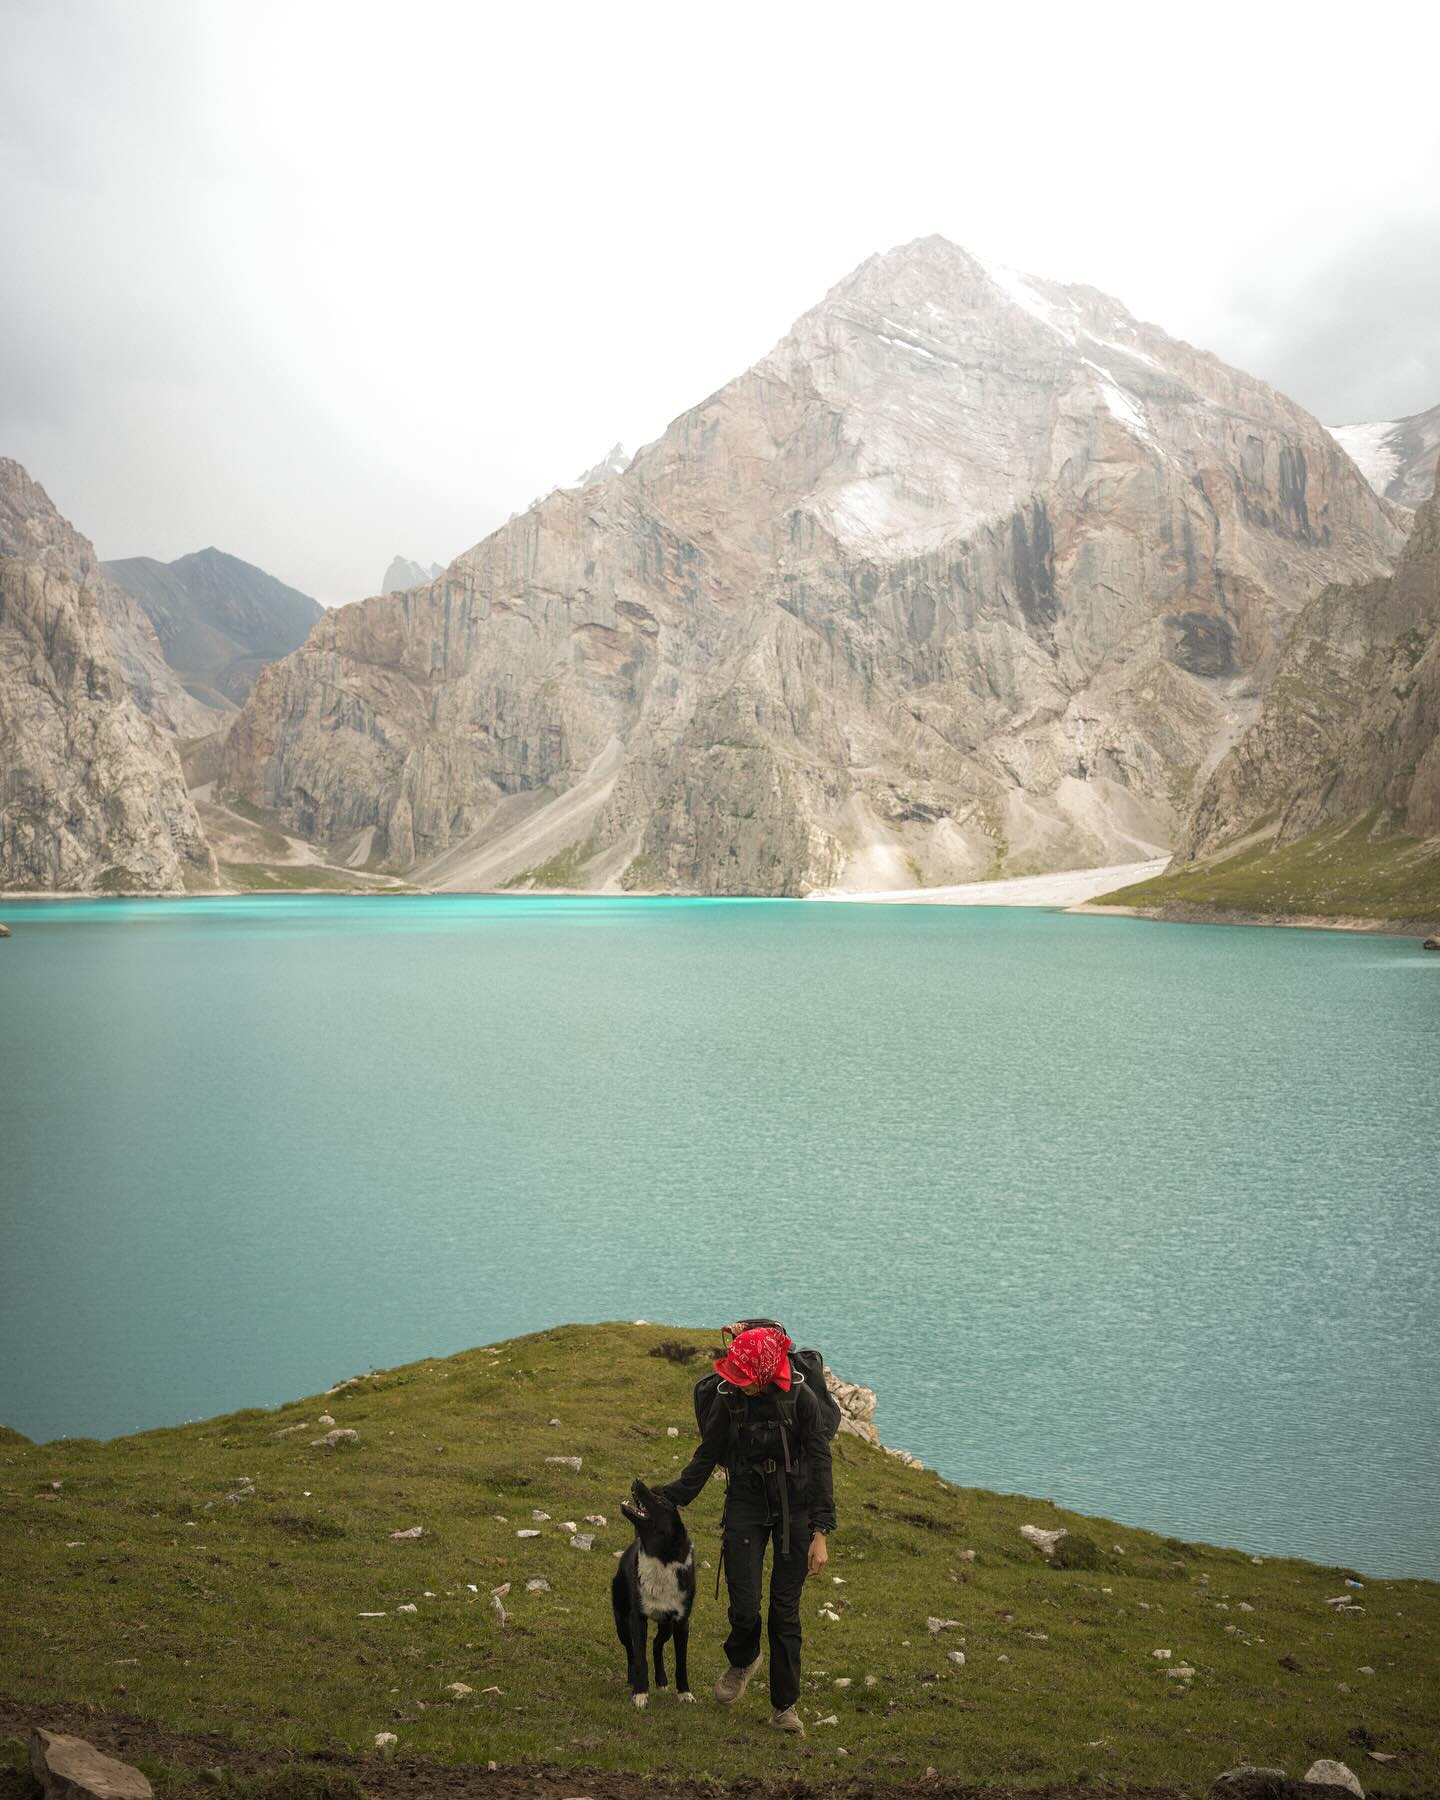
655, 1580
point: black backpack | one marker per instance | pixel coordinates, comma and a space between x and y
807, 1367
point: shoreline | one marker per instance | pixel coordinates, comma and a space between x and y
1194, 914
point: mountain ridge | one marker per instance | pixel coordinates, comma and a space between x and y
970, 574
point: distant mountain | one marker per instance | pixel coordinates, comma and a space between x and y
1398, 457
402, 575
219, 620
615, 461
91, 791
974, 573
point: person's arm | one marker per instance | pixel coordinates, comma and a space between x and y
711, 1450
819, 1483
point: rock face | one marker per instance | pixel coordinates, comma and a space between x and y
1398, 457
218, 620
970, 575
1350, 723
402, 575
69, 1768
91, 791
614, 462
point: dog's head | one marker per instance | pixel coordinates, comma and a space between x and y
657, 1521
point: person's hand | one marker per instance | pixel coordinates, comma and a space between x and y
819, 1555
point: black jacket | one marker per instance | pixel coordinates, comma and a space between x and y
811, 1489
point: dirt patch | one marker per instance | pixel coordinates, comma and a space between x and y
408, 1777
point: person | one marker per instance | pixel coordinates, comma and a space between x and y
765, 1427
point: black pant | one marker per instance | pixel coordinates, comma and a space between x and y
752, 1520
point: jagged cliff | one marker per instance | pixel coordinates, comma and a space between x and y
91, 793
1398, 457
972, 573
1350, 725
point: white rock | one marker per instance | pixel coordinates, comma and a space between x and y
385, 1740
540, 1518
672, 1431
1044, 1541
1181, 1672
372, 1615
325, 1419
566, 1462
596, 1519
842, 1681
527, 1534
872, 1681
583, 1540
408, 1606
569, 1525
957, 1657
415, 1531
554, 1421
936, 1626
499, 1593
458, 1689
1336, 1773
538, 1586
834, 1719
290, 1430
1162, 1655
332, 1440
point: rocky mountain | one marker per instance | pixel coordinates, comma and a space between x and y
973, 573
402, 575
1398, 457
91, 792
1350, 725
614, 462
218, 620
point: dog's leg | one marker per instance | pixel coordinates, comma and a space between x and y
682, 1659
639, 1668
663, 1628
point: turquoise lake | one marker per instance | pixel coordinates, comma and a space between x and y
1140, 1218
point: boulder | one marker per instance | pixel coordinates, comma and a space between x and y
1044, 1541
5, 932
70, 1769
1430, 943
1325, 1770
332, 1440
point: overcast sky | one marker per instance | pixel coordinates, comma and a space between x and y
318, 282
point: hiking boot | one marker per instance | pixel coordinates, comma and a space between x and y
733, 1682
785, 1718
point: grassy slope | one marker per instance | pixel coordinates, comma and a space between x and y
1341, 871
245, 1621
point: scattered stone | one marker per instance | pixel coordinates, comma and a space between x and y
1245, 1606
842, 1681
834, 1719
290, 1430
500, 1518
569, 1525
967, 1556
1161, 1655
538, 1586
527, 1534
332, 1440
1044, 1541
372, 1615
499, 1593
4, 931
957, 1657
566, 1462
1246, 1782
407, 1606
872, 1681
936, 1626
554, 1421
415, 1531
1039, 1637
340, 1386
672, 1431
1181, 1672
325, 1419
458, 1689
385, 1740
1381, 1756
1002, 1659
583, 1540
1430, 943
1365, 1669
498, 1603
69, 1768
540, 1518
596, 1519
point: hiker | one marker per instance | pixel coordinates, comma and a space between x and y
767, 1426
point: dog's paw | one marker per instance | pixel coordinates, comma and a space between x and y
639, 1700
686, 1699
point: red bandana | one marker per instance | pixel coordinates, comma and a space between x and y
761, 1356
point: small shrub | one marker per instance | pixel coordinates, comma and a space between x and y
1075, 1551
674, 1351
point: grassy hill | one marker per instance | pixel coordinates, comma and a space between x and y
1351, 870
154, 1582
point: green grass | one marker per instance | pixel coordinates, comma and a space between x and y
562, 870
137, 1586
1354, 870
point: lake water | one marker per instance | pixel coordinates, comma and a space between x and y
1141, 1218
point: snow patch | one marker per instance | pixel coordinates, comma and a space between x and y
1015, 287
1120, 406
1372, 449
